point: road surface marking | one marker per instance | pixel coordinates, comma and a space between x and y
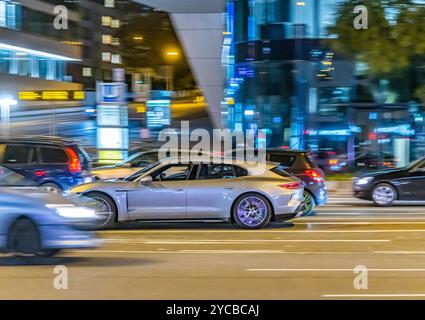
399, 252
218, 252
242, 241
372, 295
336, 270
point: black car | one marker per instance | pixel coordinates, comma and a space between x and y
301, 164
53, 163
386, 186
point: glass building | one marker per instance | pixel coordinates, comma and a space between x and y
283, 76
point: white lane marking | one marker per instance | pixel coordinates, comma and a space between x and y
336, 270
206, 251
282, 230
375, 295
399, 252
241, 241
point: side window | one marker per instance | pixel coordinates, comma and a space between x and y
145, 159
16, 154
240, 172
172, 173
53, 155
284, 160
216, 171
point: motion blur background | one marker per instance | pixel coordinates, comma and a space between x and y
298, 69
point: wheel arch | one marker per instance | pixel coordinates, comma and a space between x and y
85, 194
232, 219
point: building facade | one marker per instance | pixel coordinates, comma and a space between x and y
283, 76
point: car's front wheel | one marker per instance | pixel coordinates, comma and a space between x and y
105, 209
24, 237
384, 194
252, 211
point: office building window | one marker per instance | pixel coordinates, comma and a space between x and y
87, 72
116, 58
110, 3
9, 15
106, 56
115, 41
115, 23
106, 21
106, 39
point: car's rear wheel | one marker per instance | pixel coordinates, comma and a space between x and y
384, 194
310, 203
51, 187
105, 209
252, 211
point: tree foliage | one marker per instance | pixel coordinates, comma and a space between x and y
393, 40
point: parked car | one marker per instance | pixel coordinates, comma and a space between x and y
386, 186
199, 191
127, 167
35, 222
301, 165
55, 164
132, 164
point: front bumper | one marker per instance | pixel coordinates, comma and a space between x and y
67, 237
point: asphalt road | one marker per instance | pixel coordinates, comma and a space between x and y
309, 258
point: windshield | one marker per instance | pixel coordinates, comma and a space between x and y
141, 172
9, 178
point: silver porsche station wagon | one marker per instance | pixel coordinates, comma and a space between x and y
199, 191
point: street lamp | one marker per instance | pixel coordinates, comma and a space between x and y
171, 55
5, 104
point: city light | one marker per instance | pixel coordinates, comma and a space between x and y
36, 53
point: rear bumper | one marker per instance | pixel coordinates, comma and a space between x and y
287, 216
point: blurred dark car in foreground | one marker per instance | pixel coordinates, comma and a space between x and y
301, 165
55, 164
36, 222
386, 186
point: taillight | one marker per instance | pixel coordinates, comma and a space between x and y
292, 185
333, 162
74, 164
316, 176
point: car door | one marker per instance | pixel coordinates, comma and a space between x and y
162, 198
412, 183
212, 193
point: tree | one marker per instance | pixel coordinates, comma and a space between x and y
392, 45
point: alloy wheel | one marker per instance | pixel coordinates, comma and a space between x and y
383, 195
252, 211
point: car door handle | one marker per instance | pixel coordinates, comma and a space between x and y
228, 188
179, 189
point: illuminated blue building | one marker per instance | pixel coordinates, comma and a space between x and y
283, 76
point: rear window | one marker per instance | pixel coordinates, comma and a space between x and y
280, 170
53, 155
240, 172
285, 160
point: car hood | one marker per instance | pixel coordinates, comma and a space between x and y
385, 172
34, 193
113, 172
99, 185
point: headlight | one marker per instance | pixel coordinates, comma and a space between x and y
73, 212
364, 180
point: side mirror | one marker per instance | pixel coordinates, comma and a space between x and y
145, 180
